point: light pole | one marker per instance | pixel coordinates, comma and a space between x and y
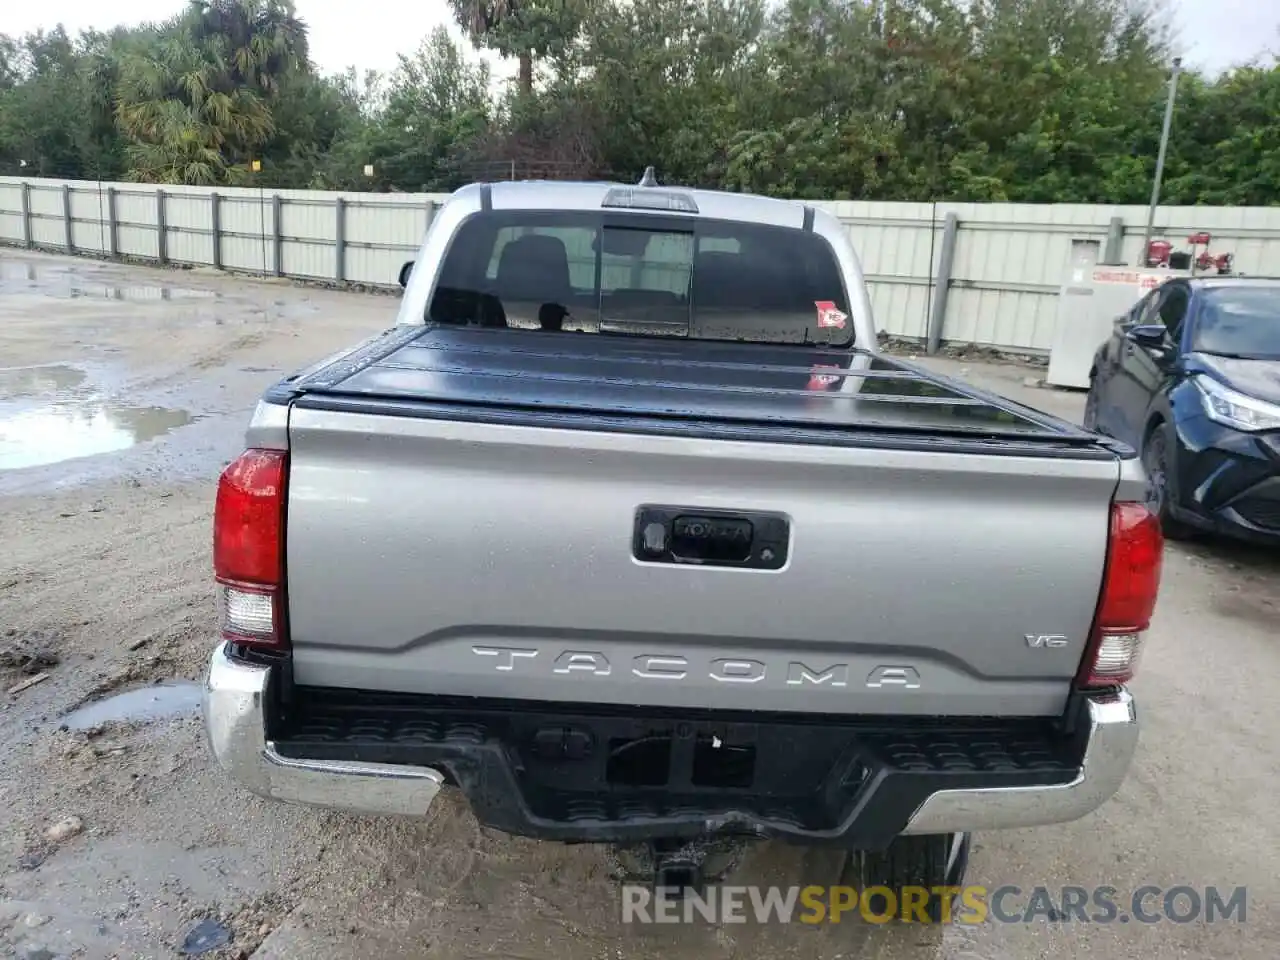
1164, 147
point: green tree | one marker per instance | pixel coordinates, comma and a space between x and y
1023, 100
1225, 144
38, 113
196, 103
437, 99
1059, 93
928, 99
321, 132
525, 29
671, 80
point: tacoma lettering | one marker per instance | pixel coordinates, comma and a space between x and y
798, 674
506, 656
905, 677
582, 661
661, 668
744, 670
737, 671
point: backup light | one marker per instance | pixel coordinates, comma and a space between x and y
248, 549
1135, 549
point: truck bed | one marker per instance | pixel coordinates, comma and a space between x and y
783, 393
466, 509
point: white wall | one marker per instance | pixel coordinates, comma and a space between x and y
1010, 259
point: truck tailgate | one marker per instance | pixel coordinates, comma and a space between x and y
477, 557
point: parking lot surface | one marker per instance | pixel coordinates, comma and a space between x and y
123, 390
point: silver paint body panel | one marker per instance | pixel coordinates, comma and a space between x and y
411, 542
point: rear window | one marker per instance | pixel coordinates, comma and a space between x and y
643, 275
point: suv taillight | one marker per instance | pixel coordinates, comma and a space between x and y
1135, 549
248, 549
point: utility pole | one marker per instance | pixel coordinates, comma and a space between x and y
1164, 147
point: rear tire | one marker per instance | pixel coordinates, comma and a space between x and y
927, 861
1160, 489
1090, 419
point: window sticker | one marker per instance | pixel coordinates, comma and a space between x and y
828, 316
821, 381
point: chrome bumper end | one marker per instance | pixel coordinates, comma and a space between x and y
236, 699
1112, 740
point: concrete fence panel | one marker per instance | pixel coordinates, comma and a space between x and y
898, 246
89, 219
13, 224
381, 234
136, 222
247, 229
47, 225
308, 231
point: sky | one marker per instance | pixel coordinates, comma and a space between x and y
1213, 34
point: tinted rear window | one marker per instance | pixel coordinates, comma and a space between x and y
643, 275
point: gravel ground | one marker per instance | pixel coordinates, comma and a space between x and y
118, 837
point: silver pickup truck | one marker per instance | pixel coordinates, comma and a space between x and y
627, 530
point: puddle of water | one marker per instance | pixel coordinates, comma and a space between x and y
60, 284
158, 702
55, 412
41, 380
53, 432
136, 294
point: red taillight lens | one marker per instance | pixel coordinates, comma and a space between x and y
1135, 552
248, 548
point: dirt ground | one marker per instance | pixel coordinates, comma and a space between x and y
117, 837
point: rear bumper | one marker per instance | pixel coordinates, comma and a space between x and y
535, 771
238, 697
1112, 737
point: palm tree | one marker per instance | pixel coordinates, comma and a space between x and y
195, 102
480, 18
256, 42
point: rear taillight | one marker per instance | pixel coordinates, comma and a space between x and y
1135, 548
248, 549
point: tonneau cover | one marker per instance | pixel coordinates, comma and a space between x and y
616, 375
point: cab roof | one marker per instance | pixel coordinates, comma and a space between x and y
575, 195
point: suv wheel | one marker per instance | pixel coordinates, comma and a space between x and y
1155, 461
1090, 419
927, 862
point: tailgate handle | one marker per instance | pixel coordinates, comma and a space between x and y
720, 538
702, 538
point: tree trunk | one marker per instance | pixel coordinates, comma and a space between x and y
526, 73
